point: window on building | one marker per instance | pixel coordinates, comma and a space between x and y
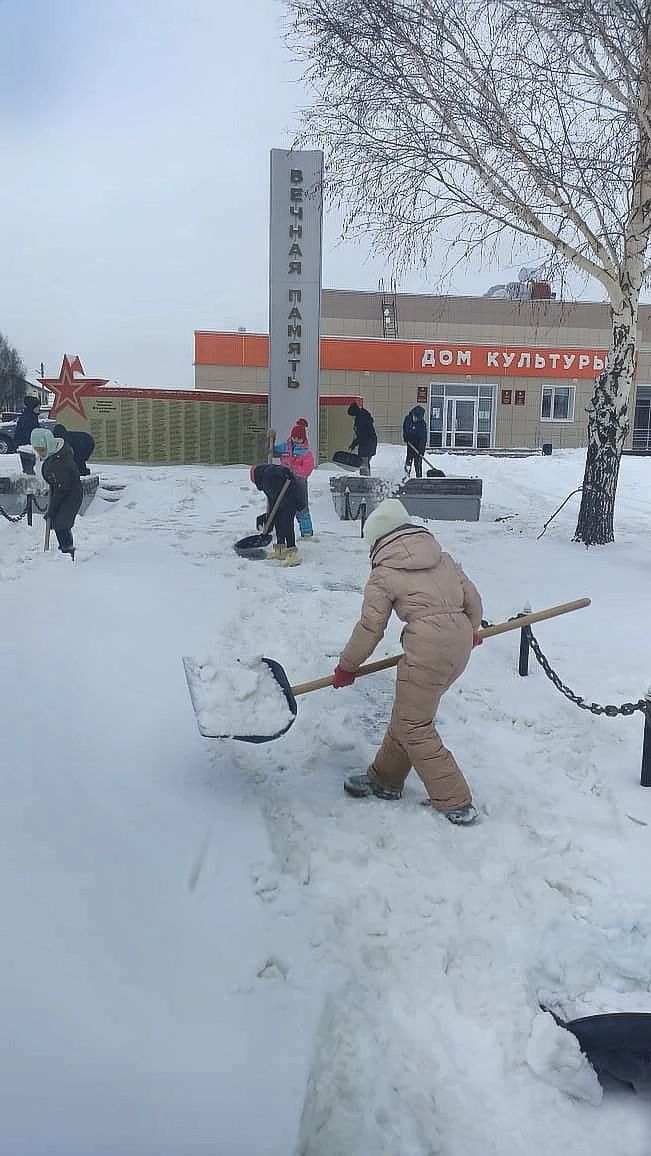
557, 403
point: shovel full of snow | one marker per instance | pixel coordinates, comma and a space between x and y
254, 702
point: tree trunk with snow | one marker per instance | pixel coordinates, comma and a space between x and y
608, 413
607, 430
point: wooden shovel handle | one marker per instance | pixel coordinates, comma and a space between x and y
272, 513
487, 632
535, 616
48, 527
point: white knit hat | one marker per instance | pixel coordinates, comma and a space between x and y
387, 517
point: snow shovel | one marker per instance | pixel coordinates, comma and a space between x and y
271, 672
432, 472
250, 546
348, 460
48, 528
618, 1044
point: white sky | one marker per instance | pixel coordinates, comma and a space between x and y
135, 137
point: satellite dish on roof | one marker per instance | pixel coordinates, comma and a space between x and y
530, 274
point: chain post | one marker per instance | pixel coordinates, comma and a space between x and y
347, 511
525, 644
29, 509
362, 517
645, 777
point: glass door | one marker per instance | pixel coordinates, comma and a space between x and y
461, 422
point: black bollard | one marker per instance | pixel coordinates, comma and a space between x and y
362, 517
29, 509
348, 516
645, 777
525, 642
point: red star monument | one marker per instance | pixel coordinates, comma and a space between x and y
71, 386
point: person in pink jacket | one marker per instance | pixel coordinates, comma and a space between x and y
296, 454
442, 611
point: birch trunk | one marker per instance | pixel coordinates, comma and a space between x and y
608, 412
607, 430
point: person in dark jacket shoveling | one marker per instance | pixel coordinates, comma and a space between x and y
441, 609
365, 439
59, 470
270, 480
82, 446
414, 435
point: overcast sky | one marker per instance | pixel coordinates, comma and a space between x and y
134, 138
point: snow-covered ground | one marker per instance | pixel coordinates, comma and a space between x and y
207, 949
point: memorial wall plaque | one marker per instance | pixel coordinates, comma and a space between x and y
179, 426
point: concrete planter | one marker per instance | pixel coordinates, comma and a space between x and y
14, 491
442, 499
349, 493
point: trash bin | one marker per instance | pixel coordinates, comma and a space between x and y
547, 449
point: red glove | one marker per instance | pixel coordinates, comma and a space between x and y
476, 640
342, 677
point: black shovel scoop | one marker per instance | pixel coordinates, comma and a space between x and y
251, 546
618, 1044
288, 708
349, 461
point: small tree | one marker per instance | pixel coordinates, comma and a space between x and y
12, 375
484, 118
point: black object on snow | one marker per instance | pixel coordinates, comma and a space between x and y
348, 460
618, 1045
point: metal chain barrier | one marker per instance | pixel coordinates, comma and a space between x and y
30, 503
13, 517
643, 705
626, 708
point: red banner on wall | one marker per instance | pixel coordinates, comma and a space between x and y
368, 355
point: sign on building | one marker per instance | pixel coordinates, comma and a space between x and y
296, 217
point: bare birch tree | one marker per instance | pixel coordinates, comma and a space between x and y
482, 118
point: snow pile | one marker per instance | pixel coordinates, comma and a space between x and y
193, 928
554, 1054
240, 698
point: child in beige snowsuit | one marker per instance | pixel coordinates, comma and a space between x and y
442, 611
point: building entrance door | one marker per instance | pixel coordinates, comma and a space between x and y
461, 422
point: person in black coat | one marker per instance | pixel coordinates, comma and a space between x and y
365, 439
81, 444
27, 421
414, 435
60, 472
270, 479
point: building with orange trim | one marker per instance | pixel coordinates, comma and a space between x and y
490, 373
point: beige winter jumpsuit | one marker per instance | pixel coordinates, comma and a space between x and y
441, 609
